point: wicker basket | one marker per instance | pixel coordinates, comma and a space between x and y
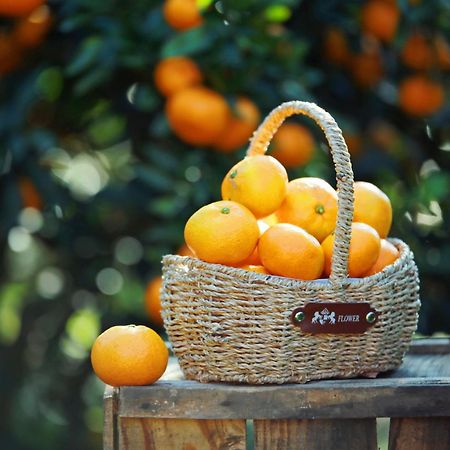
228, 324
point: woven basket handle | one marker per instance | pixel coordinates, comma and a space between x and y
344, 173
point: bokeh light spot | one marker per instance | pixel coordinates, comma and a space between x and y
31, 219
109, 281
19, 239
50, 282
128, 251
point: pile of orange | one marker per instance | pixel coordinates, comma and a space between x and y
199, 115
32, 23
266, 224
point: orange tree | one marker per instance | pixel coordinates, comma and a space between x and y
100, 170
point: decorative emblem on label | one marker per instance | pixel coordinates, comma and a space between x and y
334, 318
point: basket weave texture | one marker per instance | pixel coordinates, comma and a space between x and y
228, 324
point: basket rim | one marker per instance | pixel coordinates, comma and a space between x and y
387, 272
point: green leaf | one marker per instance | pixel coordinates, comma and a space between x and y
277, 13
107, 130
83, 327
86, 56
188, 43
50, 83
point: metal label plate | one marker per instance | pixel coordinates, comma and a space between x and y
334, 318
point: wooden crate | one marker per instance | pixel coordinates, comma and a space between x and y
325, 415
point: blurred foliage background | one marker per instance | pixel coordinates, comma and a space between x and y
95, 185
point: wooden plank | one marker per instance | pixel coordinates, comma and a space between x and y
419, 365
424, 433
346, 434
355, 398
109, 418
430, 346
183, 434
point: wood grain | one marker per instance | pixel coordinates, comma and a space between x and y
384, 397
430, 346
181, 434
344, 434
424, 433
109, 418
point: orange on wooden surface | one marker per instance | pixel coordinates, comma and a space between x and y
289, 251
366, 68
31, 30
184, 250
417, 53
255, 268
29, 194
10, 54
16, 8
182, 14
175, 74
197, 115
293, 145
335, 47
254, 259
258, 182
153, 302
129, 356
241, 125
388, 254
373, 207
364, 250
380, 18
310, 203
420, 96
223, 232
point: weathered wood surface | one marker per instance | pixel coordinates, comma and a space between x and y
327, 399
424, 433
430, 346
183, 434
346, 434
109, 418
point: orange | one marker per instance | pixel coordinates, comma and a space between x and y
16, 8
222, 232
354, 142
373, 207
270, 220
197, 115
31, 30
240, 127
379, 18
388, 254
182, 14
443, 52
364, 250
152, 301
254, 259
184, 250
129, 356
257, 182
335, 47
175, 74
10, 54
420, 96
257, 269
293, 145
366, 69
30, 196
310, 203
416, 53
289, 251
